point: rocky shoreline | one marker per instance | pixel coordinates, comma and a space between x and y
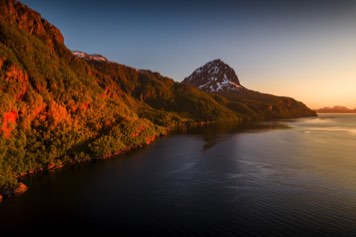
22, 188
13, 192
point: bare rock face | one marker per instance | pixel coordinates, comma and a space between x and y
20, 189
15, 79
19, 14
214, 76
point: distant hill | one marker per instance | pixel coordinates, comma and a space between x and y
220, 80
335, 109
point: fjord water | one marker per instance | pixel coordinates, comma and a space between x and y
281, 178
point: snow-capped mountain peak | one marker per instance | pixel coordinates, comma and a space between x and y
94, 57
214, 76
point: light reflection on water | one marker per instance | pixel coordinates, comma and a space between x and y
282, 178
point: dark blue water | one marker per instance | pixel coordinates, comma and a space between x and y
285, 178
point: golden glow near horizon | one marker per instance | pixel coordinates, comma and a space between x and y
316, 91
302, 49
321, 74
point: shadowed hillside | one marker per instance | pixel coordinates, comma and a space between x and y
221, 81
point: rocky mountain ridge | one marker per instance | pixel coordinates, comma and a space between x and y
94, 57
219, 79
214, 76
19, 15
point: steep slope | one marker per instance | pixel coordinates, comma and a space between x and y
19, 15
59, 109
222, 82
215, 76
157, 93
53, 110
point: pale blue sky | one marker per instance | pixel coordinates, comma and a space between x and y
304, 49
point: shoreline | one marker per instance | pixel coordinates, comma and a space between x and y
22, 188
336, 112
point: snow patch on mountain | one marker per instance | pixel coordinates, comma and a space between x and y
215, 76
93, 57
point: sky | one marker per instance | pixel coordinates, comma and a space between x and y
305, 49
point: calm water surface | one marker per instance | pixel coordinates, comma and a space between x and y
295, 178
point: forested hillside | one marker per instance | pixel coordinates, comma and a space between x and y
58, 109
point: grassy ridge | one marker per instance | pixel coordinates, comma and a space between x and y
252, 105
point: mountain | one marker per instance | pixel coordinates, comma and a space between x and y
90, 57
335, 109
61, 108
215, 76
161, 99
221, 81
